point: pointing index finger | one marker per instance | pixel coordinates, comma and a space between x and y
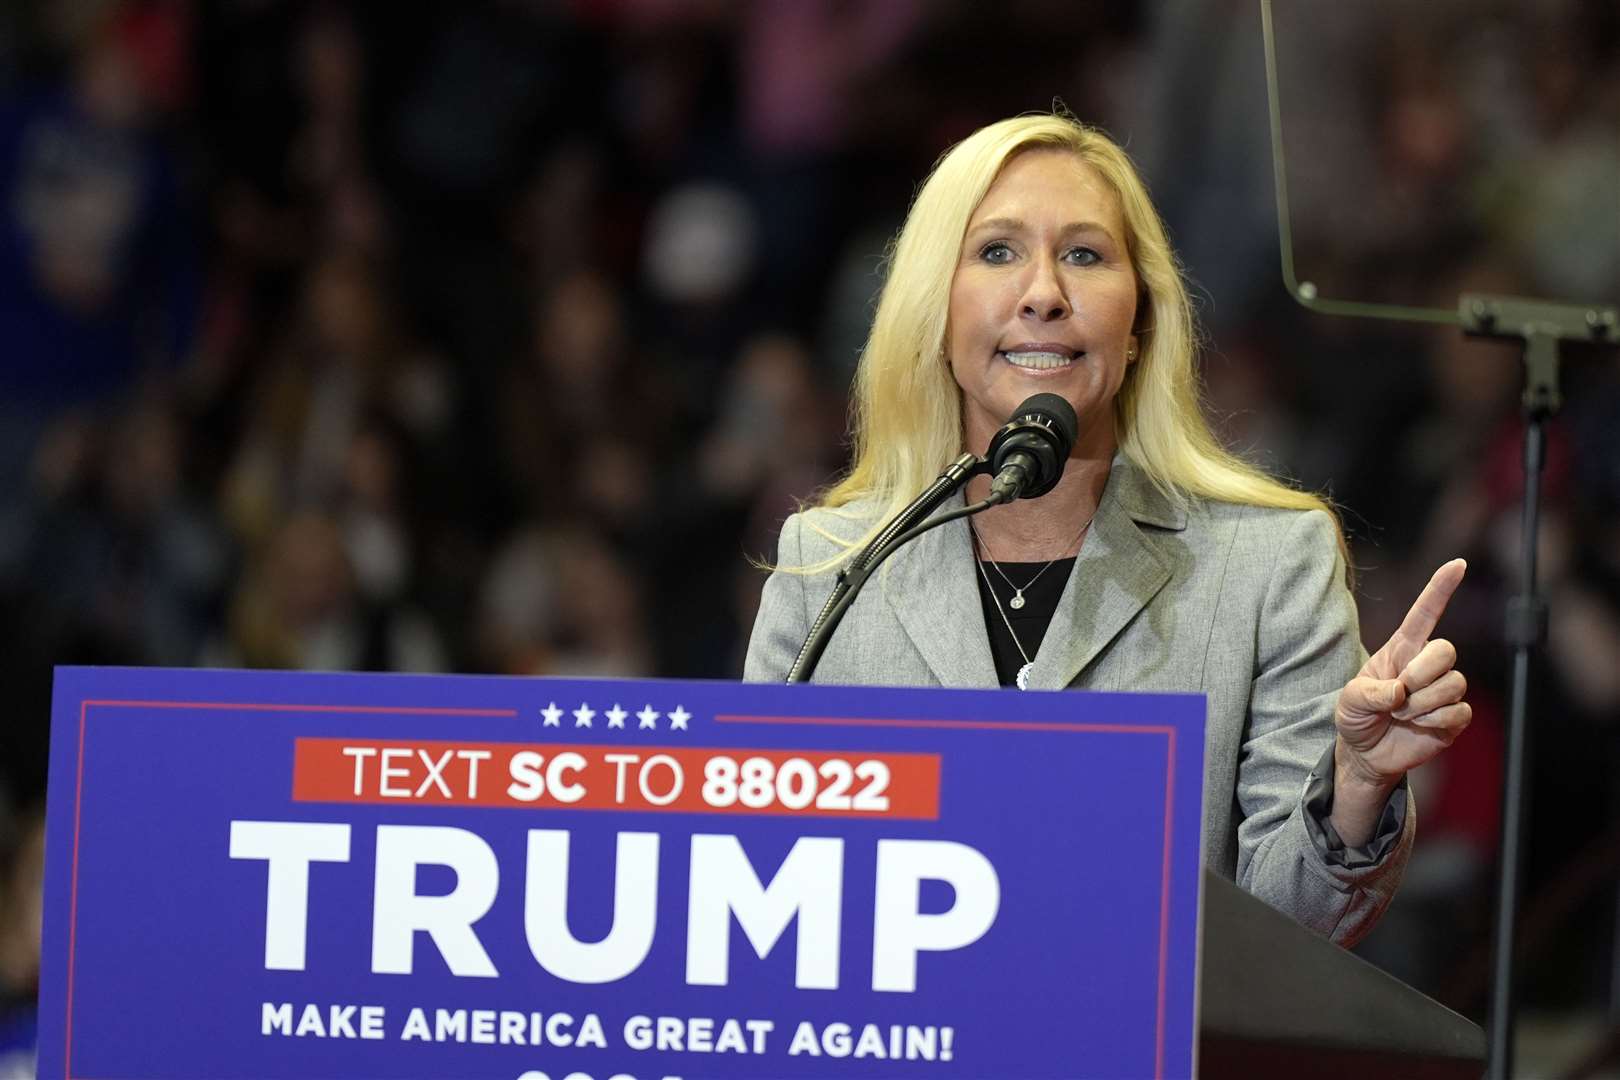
1431, 602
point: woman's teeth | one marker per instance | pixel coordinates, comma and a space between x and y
1040, 361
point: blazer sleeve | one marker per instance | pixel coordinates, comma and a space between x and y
1309, 646
783, 618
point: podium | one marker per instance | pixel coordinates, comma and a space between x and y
1277, 1001
280, 875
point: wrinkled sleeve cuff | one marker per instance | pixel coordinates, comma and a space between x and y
1318, 806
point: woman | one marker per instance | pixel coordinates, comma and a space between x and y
1032, 260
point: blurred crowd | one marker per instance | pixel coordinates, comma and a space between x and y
500, 337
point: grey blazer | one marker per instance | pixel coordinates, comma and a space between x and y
1244, 604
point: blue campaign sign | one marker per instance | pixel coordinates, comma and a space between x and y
279, 875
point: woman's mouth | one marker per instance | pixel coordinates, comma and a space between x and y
1038, 359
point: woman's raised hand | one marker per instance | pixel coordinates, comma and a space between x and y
1406, 704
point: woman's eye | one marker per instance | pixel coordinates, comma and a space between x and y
1082, 256
996, 252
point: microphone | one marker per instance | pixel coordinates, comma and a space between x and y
1028, 454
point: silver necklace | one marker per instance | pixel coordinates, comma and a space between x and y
1023, 672
1017, 601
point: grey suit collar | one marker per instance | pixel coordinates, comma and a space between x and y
932, 585
933, 588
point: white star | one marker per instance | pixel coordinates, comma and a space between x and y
582, 716
552, 714
616, 716
678, 718
649, 716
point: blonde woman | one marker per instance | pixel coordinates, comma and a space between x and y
1033, 261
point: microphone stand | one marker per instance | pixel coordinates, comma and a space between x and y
1542, 326
904, 527
1026, 458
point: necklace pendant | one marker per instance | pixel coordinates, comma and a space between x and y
1023, 675
1017, 601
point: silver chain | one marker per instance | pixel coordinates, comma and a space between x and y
1003, 613
1017, 600
1018, 596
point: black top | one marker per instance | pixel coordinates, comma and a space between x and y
1030, 621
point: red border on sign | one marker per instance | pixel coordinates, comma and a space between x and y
78, 794
1035, 725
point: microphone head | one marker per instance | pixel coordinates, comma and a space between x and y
1055, 410
1043, 430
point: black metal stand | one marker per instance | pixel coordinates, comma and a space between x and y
906, 525
1542, 327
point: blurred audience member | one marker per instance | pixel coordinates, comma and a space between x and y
585, 414
22, 886
98, 264
300, 606
777, 434
346, 363
562, 602
112, 541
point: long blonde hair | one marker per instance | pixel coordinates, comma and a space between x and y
906, 415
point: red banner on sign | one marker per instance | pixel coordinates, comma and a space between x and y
807, 783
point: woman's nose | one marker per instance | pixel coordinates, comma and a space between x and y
1043, 296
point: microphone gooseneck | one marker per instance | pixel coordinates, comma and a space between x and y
1027, 457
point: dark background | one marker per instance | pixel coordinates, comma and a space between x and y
496, 337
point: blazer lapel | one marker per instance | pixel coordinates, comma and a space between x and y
931, 585
1118, 571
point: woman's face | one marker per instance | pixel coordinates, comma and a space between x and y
1044, 298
